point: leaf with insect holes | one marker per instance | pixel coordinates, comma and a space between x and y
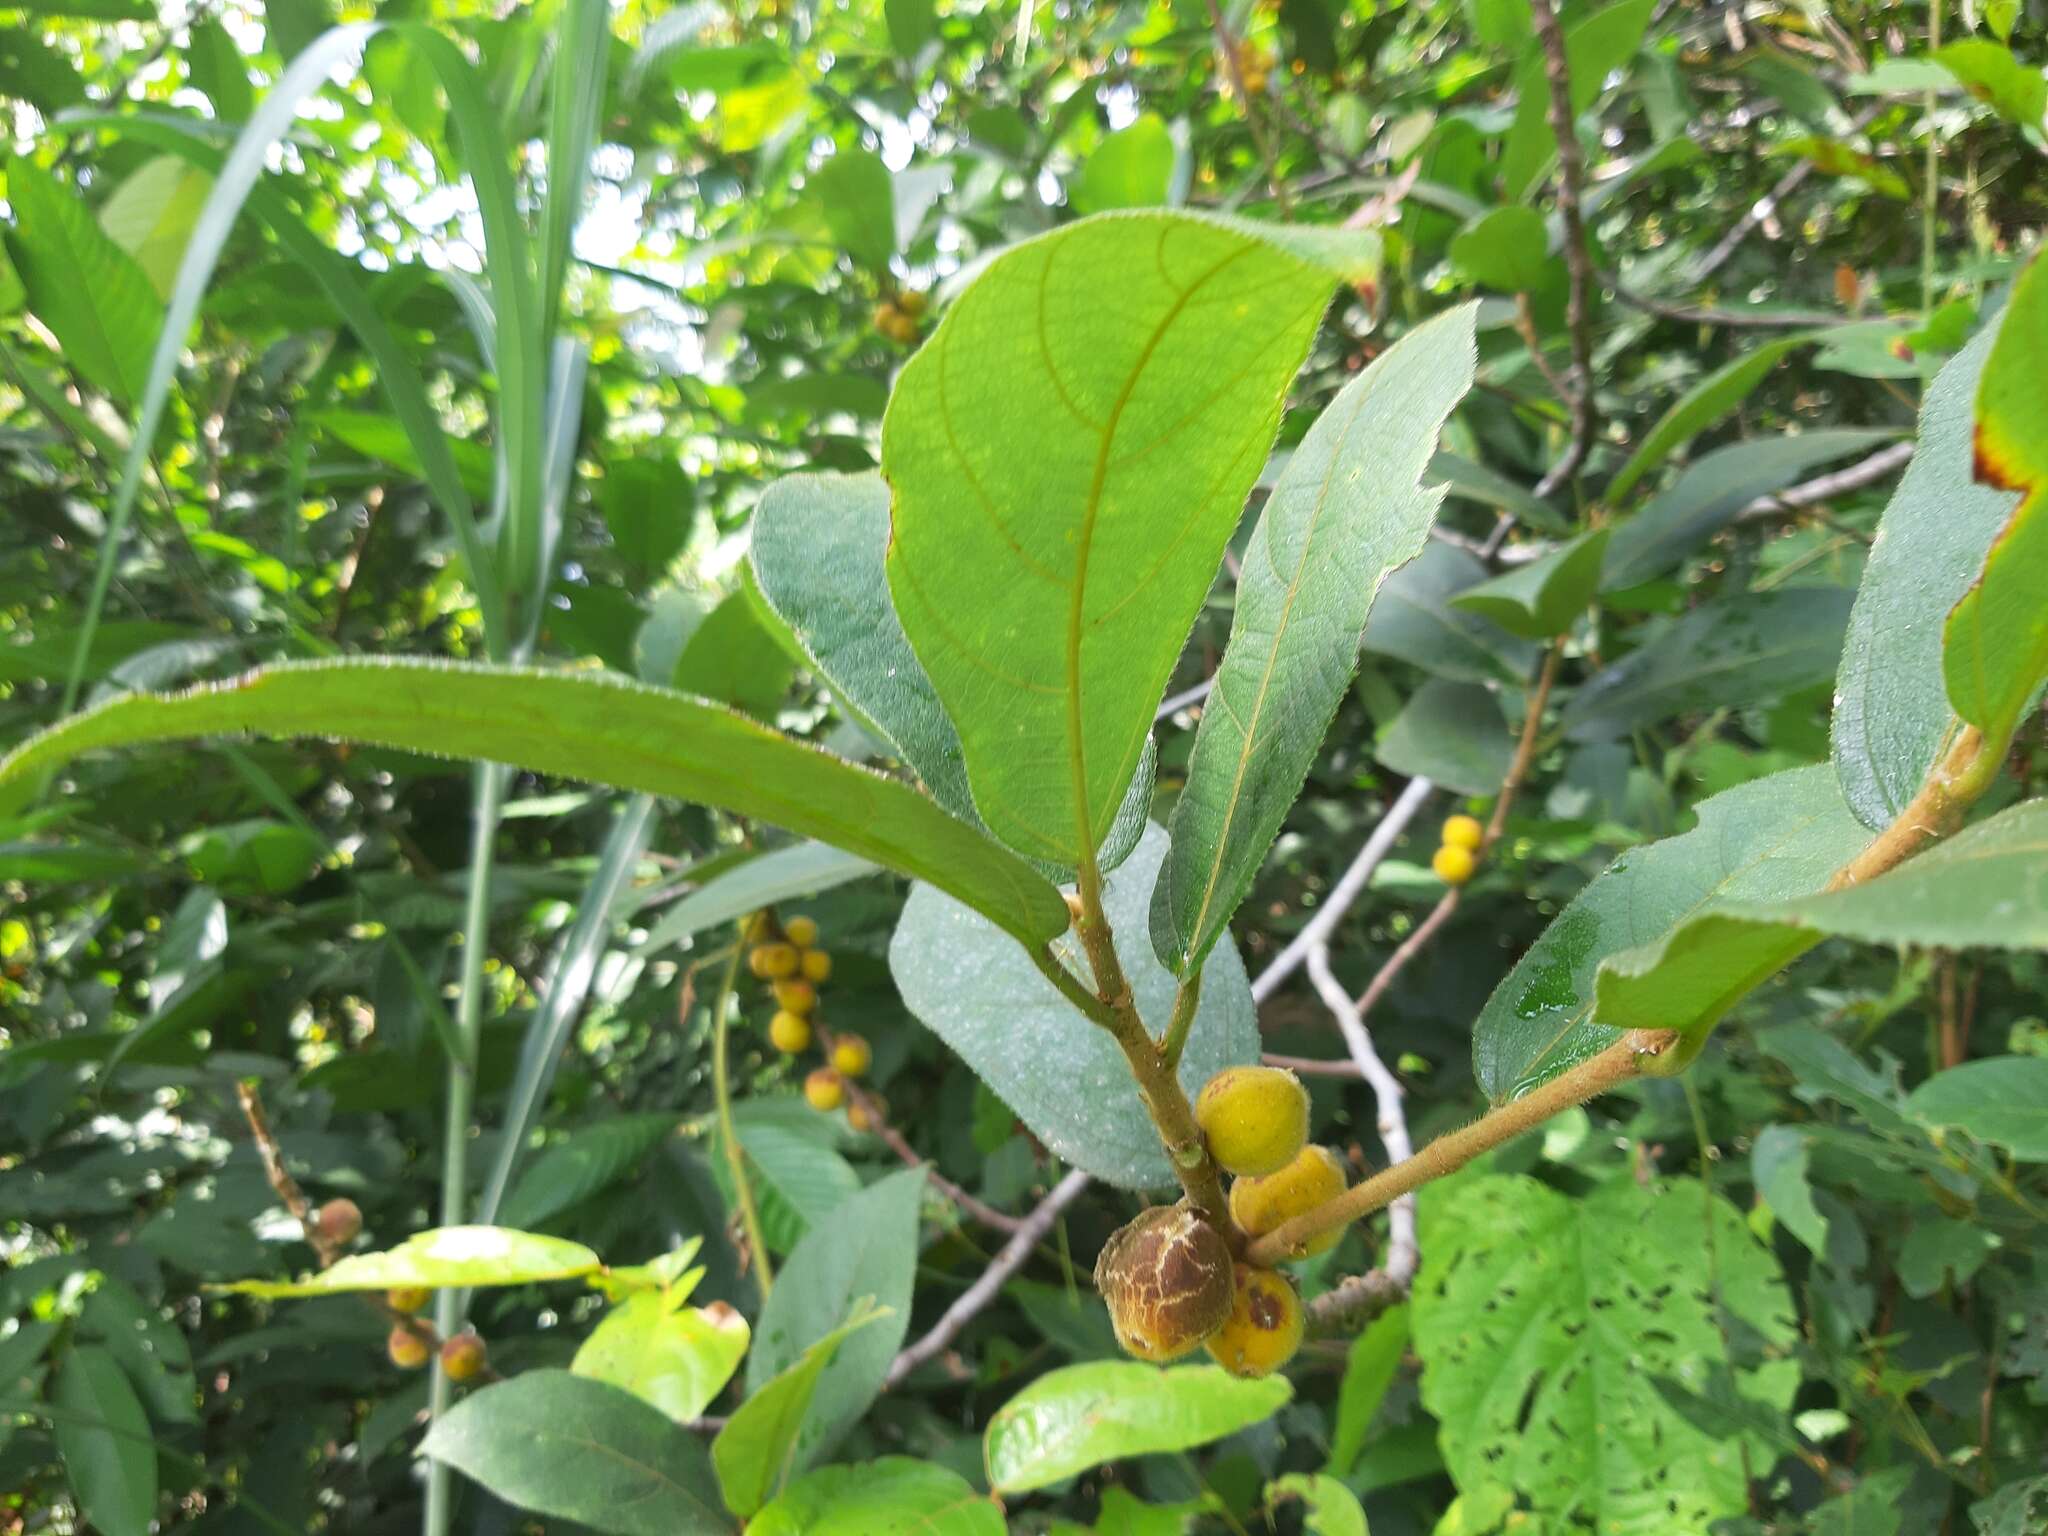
1069, 454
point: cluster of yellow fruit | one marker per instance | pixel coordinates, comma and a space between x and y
409, 1347
897, 317
1169, 1278
1457, 859
795, 967
1254, 68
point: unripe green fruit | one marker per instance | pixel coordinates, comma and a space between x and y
462, 1356
338, 1222
1256, 1118
408, 1351
795, 995
789, 1032
852, 1056
1166, 1281
407, 1298
801, 931
1315, 1177
1265, 1325
816, 965
824, 1090
771, 962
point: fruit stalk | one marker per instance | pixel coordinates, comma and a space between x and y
728, 1134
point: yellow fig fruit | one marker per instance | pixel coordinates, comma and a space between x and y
789, 1032
463, 1356
824, 1090
852, 1056
912, 302
1256, 1118
407, 1298
1165, 1278
408, 1351
1463, 832
1261, 1203
795, 995
801, 931
1454, 865
816, 966
866, 1115
1265, 1325
772, 962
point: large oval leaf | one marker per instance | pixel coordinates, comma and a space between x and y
443, 1256
1892, 717
1348, 510
586, 726
1069, 455
1063, 1075
1084, 1415
105, 1442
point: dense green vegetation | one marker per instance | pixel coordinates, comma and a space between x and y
672, 678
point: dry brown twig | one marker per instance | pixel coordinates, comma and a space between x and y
1578, 260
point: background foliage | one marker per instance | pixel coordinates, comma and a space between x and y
1801, 1289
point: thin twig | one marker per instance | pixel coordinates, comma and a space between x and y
1578, 260
1226, 40
280, 1177
1826, 487
878, 1123
1181, 701
984, 1290
1734, 319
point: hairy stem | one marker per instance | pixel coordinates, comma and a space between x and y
728, 1135
1933, 813
1618, 1064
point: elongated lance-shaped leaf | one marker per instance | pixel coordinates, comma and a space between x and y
586, 726
817, 550
1348, 509
1892, 721
1997, 638
1069, 455
1777, 837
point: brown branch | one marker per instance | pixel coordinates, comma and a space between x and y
280, 1177
1578, 260
1826, 487
878, 1123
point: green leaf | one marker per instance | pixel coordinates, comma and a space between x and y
912, 24
733, 657
859, 199
1507, 249
801, 869
1711, 493
1546, 596
443, 1256
674, 1357
215, 65
2002, 1100
1942, 1250
1980, 888
94, 297
864, 1251
1733, 651
1452, 733
1333, 1509
1082, 1416
1892, 720
1066, 475
1543, 1322
1347, 512
2017, 1509
1996, 645
1415, 622
1784, 835
150, 216
1469, 481
582, 1163
562, 1445
766, 1440
1369, 1371
1064, 1076
1595, 46
800, 1178
385, 438
1778, 1165
1130, 168
890, 1496
649, 506
579, 725
1990, 72
1700, 407
104, 1438
33, 71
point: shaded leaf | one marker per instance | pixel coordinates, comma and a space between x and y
1414, 621
2002, 1100
1451, 733
1700, 407
104, 1438
1546, 596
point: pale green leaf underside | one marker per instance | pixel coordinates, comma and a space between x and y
1892, 720
1069, 455
1348, 510
1544, 1322
1084, 1415
1776, 837
1985, 888
587, 726
1062, 1074
443, 1256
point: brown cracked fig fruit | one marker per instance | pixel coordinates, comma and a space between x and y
1165, 1278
